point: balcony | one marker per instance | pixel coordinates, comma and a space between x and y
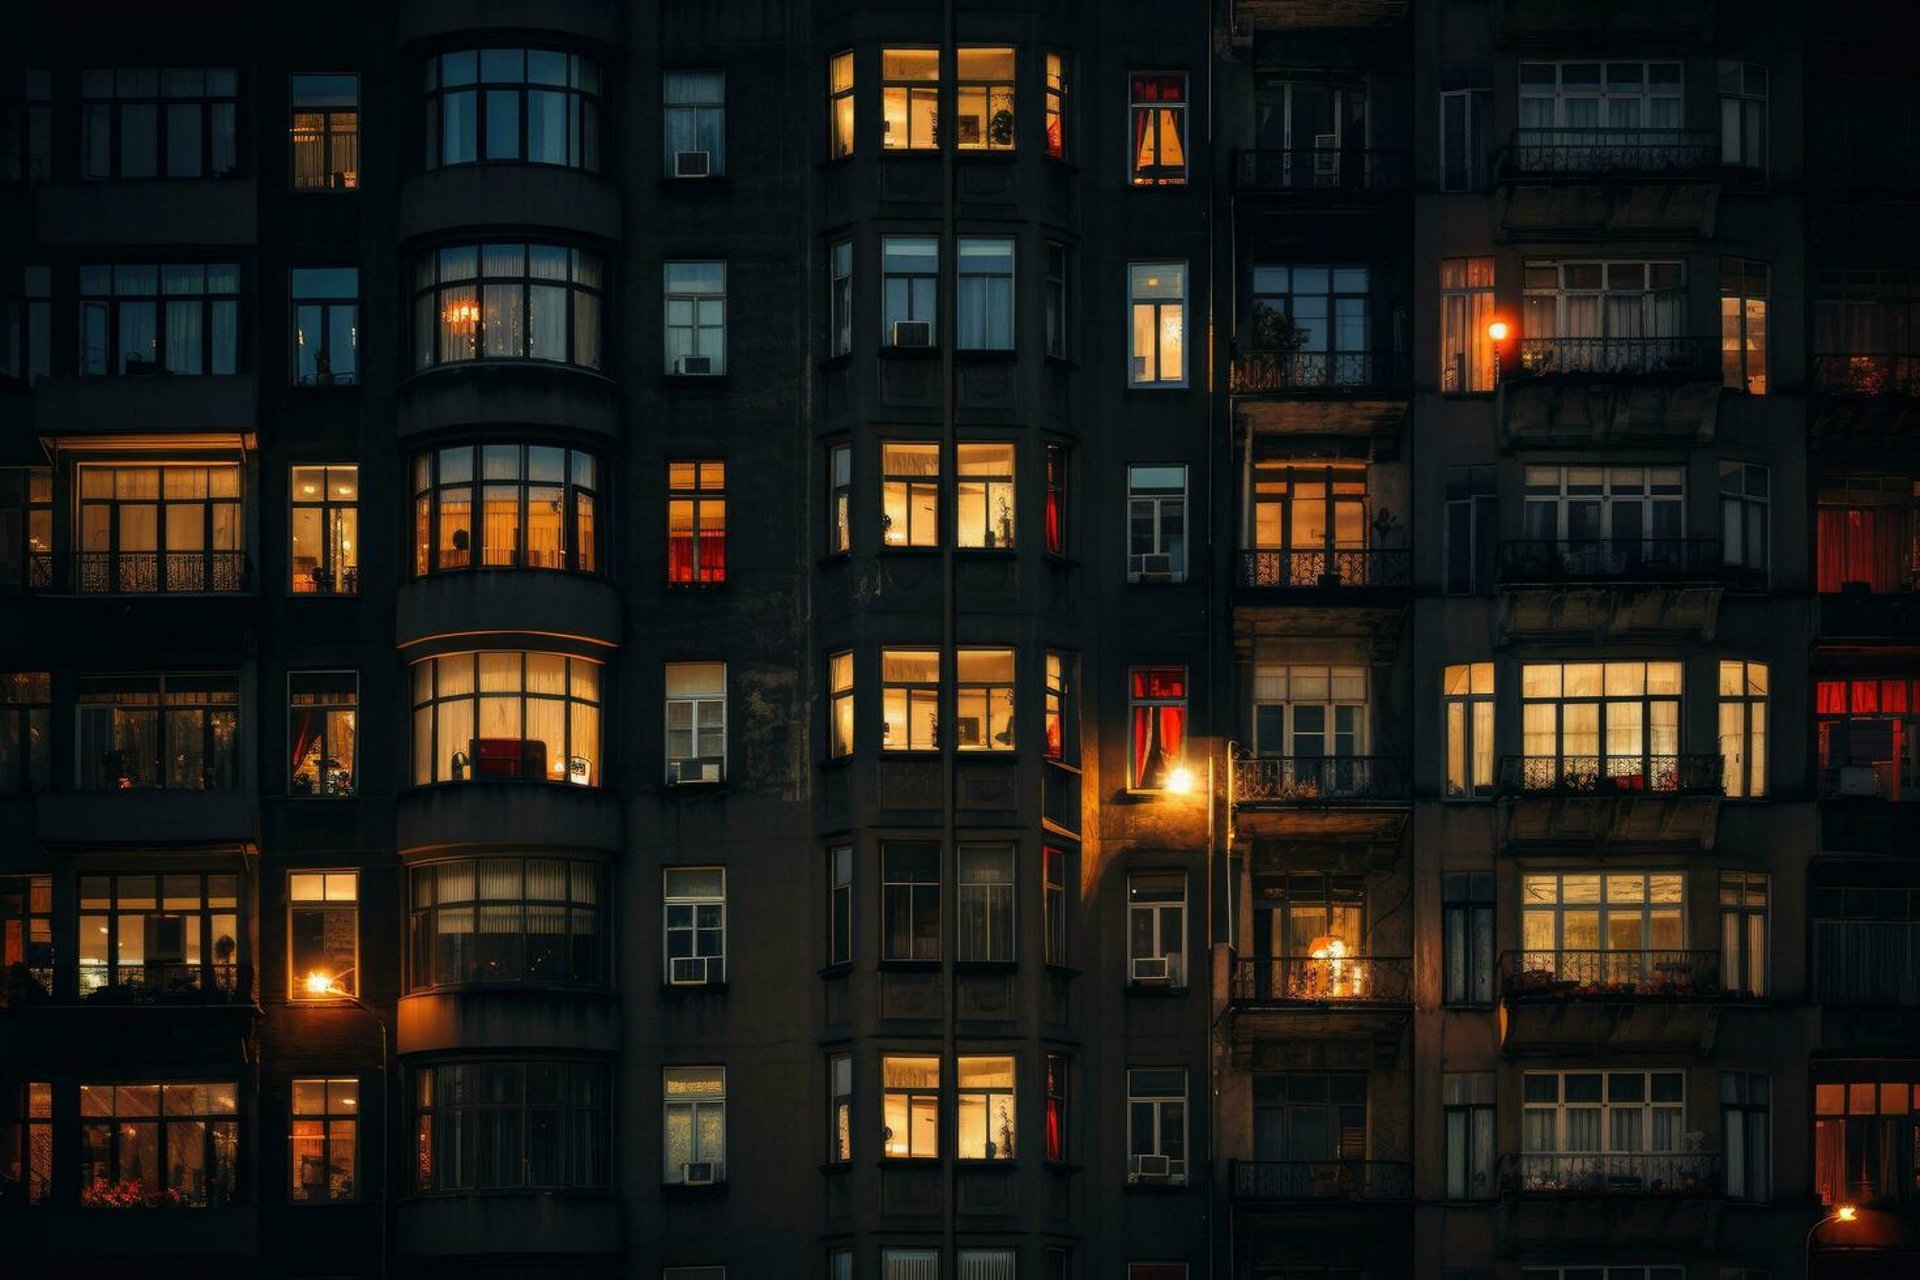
1550, 802
1593, 1173
1328, 981
1669, 359
1323, 169
1316, 373
1598, 589
1278, 781
1544, 153
1349, 404
1874, 376
1352, 570
1320, 1181
135, 573
165, 984
1610, 975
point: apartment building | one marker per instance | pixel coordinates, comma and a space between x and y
1268, 640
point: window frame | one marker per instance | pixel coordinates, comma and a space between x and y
1467, 307
444, 305
1468, 1118
911, 90
329, 307
1156, 113
1746, 1110
986, 472
910, 902
697, 702
323, 129
1144, 1100
325, 908
211, 697
1602, 702
338, 535
699, 112
987, 1096
582, 90
985, 678
842, 705
208, 102
212, 908
695, 1107
920, 288
579, 711
1054, 875
26, 732
193, 315
218, 1139
839, 499
1475, 707
840, 1097
1468, 934
697, 295
986, 911
976, 289
1746, 939
842, 114
1056, 125
584, 1136
327, 1118
839, 298
582, 548
910, 1101
1142, 683
330, 784
1740, 97
1743, 772
1153, 501
690, 495
684, 917
583, 912
915, 696
912, 494
1160, 307
990, 89
1746, 291
1156, 909
840, 905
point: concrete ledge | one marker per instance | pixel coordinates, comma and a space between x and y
545, 609
521, 196
495, 1225
198, 211
508, 393
524, 817
508, 1016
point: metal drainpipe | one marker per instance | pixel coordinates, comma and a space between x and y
1213, 588
946, 316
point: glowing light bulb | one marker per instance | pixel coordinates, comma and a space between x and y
1846, 1213
1498, 331
319, 982
1180, 781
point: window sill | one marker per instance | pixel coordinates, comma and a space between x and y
694, 586
679, 1190
929, 352
907, 1162
1158, 584
985, 553
718, 381
909, 966
1158, 387
838, 360
696, 788
915, 753
1154, 991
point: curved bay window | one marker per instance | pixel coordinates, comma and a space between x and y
505, 1126
507, 302
536, 504
506, 716
536, 106
492, 920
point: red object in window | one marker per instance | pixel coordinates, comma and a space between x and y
497, 757
1162, 88
1831, 697
1056, 501
1054, 146
1861, 544
1159, 732
712, 567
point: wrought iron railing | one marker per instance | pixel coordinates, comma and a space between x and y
1283, 780
1611, 775
89, 573
1321, 568
1322, 979
1321, 1179
1602, 150
1561, 975
1590, 1173
1867, 376
1549, 560
22, 984
1323, 168
1263, 373
1698, 357
101, 983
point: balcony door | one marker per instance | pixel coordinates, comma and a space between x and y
1311, 321
1310, 123
1310, 715
172, 527
1303, 1122
1304, 518
1312, 929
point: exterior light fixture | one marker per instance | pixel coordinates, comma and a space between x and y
1180, 781
1846, 1213
1498, 331
319, 983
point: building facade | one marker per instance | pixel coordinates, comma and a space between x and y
1264, 640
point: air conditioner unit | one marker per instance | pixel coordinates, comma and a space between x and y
683, 771
694, 366
1156, 568
699, 1173
1152, 969
692, 164
689, 971
1150, 1169
1326, 154
1858, 780
913, 333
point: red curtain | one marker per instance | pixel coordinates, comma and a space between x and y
1056, 1129
712, 564
305, 729
1159, 729
1056, 485
1861, 544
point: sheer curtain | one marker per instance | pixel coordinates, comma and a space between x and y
696, 116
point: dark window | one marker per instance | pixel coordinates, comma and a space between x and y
535, 920
1472, 530
910, 901
507, 1125
180, 319
1466, 126
533, 105
26, 129
1302, 1118
694, 114
1468, 1101
1057, 901
26, 327
840, 905
26, 527
1057, 300
26, 1140
1467, 936
840, 1108
326, 326
1864, 938
176, 122
1746, 1099
176, 732
26, 939
26, 744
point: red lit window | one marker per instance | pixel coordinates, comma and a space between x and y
1868, 532
1869, 735
1159, 129
1056, 1101
1159, 706
1056, 510
696, 523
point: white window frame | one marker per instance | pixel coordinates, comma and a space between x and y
1157, 1101
1647, 1106
1273, 685
1160, 306
705, 315
680, 916
1171, 949
690, 1108
1561, 94
1467, 697
694, 704
1153, 499
1637, 963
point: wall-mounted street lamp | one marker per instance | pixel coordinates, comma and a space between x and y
1841, 1213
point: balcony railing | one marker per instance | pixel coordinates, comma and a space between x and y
1593, 1173
1322, 569
24, 984
1322, 980
1556, 560
1611, 775
1283, 780
101, 983
93, 573
1695, 357
1627, 151
1308, 373
1323, 168
1868, 376
1563, 975
1322, 1180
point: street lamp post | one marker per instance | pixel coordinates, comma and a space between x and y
1841, 1213
321, 983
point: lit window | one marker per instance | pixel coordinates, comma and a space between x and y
534, 105
696, 324
1862, 1133
909, 290
840, 710
1057, 457
696, 722
910, 900
1159, 107
696, 523
181, 319
840, 105
1466, 309
839, 499
910, 699
911, 1102
983, 705
536, 920
1056, 105
695, 117
985, 294
1744, 287
1620, 316
176, 122
984, 901
506, 716
909, 494
322, 739
1157, 930
840, 905
507, 302
326, 326
326, 530
537, 508
983, 98
695, 1148
1743, 728
1308, 716
325, 1141
26, 741
498, 1126
1618, 931
840, 297
160, 937
26, 1139
1058, 1067
326, 132
176, 527
1158, 713
909, 99
840, 1108
1467, 694
986, 1108
1592, 726
694, 925
151, 1145
1157, 1125
1157, 326
984, 496
1865, 533
1062, 737
323, 935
